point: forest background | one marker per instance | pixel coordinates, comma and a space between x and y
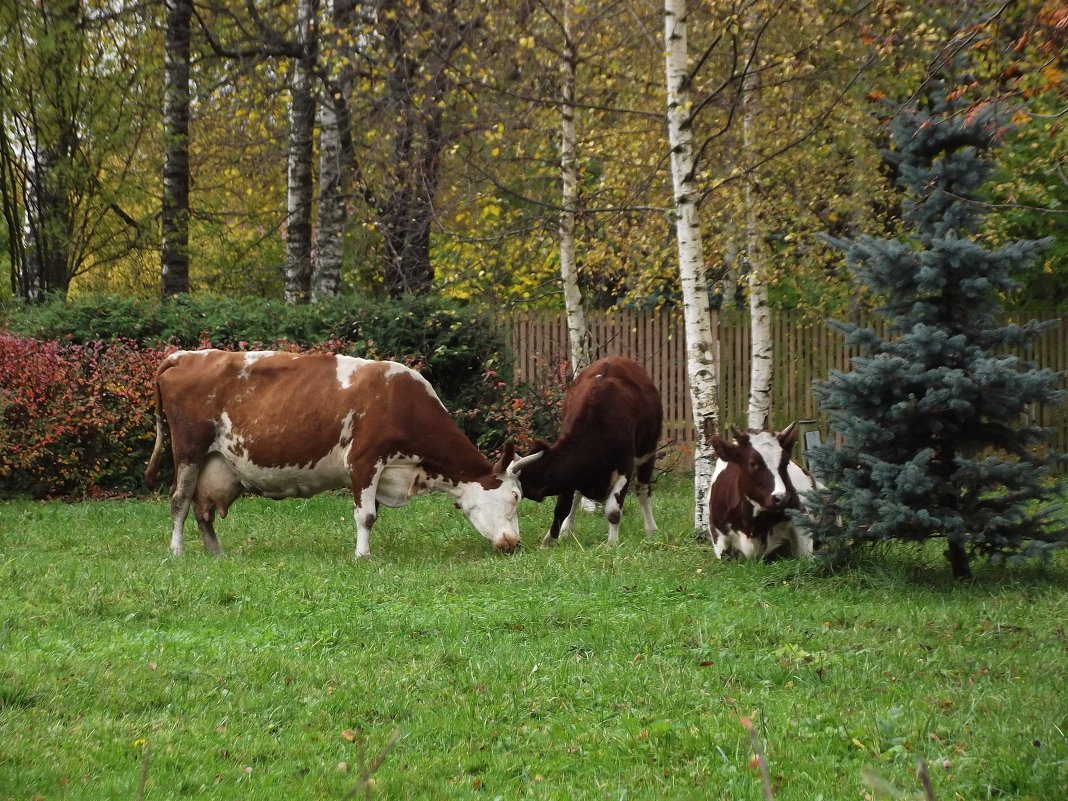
398, 146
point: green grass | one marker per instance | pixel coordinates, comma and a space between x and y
582, 672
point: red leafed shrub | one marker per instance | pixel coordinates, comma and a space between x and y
520, 413
75, 420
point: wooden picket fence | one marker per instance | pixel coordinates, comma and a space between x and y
806, 350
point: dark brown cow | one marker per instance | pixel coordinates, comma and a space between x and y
611, 425
753, 485
289, 425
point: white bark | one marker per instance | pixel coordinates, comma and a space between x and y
299, 182
700, 355
577, 330
335, 165
760, 364
330, 233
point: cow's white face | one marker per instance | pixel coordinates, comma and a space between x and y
494, 512
770, 449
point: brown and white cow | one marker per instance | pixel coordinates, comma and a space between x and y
611, 422
753, 485
286, 425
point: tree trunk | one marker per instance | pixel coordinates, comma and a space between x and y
407, 213
48, 222
407, 239
335, 174
577, 330
333, 206
760, 364
958, 561
700, 341
174, 251
301, 131
51, 147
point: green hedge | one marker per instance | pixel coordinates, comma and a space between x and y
452, 344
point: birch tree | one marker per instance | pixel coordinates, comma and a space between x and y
700, 358
174, 216
577, 330
335, 159
301, 132
760, 363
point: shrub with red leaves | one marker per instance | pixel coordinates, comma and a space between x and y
75, 420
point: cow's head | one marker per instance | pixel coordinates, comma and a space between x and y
762, 458
532, 471
491, 503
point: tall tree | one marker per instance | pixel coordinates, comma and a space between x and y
174, 216
335, 151
73, 88
300, 189
933, 440
419, 43
761, 355
700, 360
577, 329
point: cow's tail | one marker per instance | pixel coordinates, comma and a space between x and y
152, 470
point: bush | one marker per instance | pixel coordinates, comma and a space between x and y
75, 420
76, 400
452, 345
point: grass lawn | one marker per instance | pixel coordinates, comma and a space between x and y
584, 672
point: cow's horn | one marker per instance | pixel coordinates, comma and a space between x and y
519, 464
788, 429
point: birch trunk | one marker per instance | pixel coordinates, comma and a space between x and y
700, 341
333, 214
577, 330
299, 176
335, 170
760, 364
174, 214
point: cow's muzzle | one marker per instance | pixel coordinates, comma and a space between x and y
776, 503
507, 543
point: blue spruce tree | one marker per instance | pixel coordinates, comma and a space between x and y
933, 420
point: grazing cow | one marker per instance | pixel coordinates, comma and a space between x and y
611, 424
753, 485
287, 425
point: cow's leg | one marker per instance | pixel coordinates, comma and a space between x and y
568, 526
563, 518
719, 541
643, 478
185, 484
749, 547
365, 507
613, 508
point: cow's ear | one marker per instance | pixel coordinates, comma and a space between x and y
723, 449
507, 456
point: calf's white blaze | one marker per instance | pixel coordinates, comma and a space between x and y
770, 449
